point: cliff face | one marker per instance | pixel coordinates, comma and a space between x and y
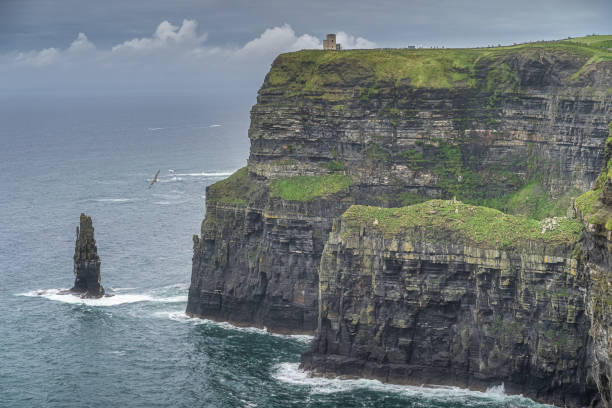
86, 261
449, 293
508, 128
256, 264
595, 210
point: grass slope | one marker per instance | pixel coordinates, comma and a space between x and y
307, 188
234, 190
306, 71
483, 226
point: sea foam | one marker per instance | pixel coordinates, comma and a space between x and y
115, 200
118, 299
206, 174
181, 317
291, 374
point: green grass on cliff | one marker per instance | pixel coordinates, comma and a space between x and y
597, 41
307, 188
313, 71
483, 226
533, 201
234, 190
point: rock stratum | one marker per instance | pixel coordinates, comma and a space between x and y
86, 261
454, 294
414, 208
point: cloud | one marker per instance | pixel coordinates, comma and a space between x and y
173, 55
348, 41
81, 44
166, 36
186, 42
279, 39
37, 58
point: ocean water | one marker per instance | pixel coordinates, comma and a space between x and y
62, 155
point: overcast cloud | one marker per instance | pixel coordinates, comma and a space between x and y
174, 55
203, 44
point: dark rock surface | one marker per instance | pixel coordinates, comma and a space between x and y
596, 257
86, 262
425, 306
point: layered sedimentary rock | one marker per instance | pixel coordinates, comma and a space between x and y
86, 261
595, 210
454, 294
391, 128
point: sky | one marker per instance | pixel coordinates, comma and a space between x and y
199, 45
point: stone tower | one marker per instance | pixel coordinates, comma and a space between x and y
86, 261
330, 43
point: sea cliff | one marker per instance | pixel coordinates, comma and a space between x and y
449, 293
510, 135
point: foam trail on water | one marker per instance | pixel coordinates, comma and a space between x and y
118, 299
291, 374
171, 179
154, 129
206, 174
114, 200
183, 318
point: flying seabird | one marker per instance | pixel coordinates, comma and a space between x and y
154, 179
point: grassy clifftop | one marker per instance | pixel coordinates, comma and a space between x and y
483, 226
311, 70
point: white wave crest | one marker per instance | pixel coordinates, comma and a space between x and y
154, 129
183, 318
115, 200
172, 179
118, 299
206, 174
291, 374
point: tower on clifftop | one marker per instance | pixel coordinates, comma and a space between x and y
330, 43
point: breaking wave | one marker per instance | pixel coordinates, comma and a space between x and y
116, 299
291, 374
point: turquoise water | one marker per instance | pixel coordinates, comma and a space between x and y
63, 155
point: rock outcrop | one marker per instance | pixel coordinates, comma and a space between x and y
86, 262
453, 294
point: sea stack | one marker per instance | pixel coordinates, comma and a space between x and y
86, 261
